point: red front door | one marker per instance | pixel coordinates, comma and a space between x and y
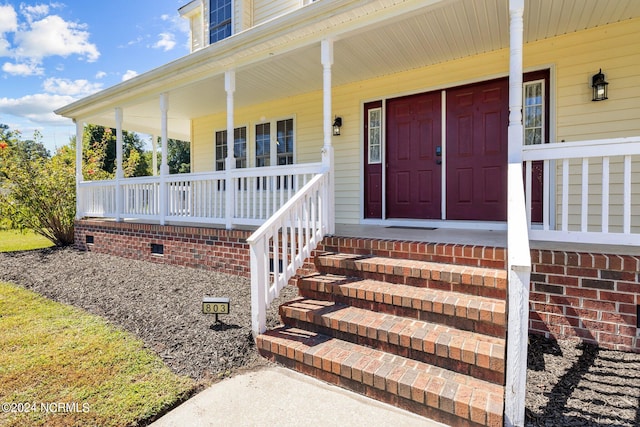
477, 119
413, 166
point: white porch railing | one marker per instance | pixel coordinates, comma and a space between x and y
197, 197
590, 191
280, 246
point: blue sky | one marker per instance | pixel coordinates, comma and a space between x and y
53, 53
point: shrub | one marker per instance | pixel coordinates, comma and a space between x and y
37, 192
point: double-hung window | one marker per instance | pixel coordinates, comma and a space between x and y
263, 144
274, 145
219, 20
284, 140
277, 148
239, 148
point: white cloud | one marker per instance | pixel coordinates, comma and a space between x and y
8, 23
37, 108
8, 19
55, 36
101, 75
177, 22
129, 75
23, 69
5, 47
70, 87
167, 42
32, 12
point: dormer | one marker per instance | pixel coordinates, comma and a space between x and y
215, 20
194, 12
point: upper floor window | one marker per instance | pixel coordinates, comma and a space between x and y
219, 20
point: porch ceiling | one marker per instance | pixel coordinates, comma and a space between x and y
372, 39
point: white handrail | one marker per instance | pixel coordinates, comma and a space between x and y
281, 245
580, 149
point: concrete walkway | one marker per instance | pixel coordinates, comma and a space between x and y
281, 397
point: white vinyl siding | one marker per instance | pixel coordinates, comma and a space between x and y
573, 59
265, 10
197, 32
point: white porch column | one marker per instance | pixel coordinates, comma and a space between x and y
518, 252
230, 164
119, 170
79, 176
164, 166
154, 152
516, 11
327, 148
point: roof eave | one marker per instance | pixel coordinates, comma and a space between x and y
231, 52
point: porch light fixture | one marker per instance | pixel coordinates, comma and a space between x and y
337, 124
599, 86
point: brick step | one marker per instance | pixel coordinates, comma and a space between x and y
462, 311
451, 253
480, 281
464, 352
427, 390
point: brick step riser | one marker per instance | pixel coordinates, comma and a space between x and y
406, 403
471, 325
472, 256
441, 285
412, 350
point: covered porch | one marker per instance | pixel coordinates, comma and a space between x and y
334, 60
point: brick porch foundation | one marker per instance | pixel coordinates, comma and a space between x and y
591, 296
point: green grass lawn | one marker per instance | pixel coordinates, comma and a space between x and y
13, 240
81, 369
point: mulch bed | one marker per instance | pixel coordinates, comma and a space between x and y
569, 384
576, 384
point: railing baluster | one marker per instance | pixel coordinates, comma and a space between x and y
528, 189
546, 196
584, 221
626, 222
276, 265
605, 194
565, 194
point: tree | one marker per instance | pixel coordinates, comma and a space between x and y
99, 152
37, 192
178, 156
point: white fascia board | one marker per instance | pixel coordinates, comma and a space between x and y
304, 26
190, 9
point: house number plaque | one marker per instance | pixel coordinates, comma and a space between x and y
215, 305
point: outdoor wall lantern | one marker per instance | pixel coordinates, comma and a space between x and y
337, 124
599, 86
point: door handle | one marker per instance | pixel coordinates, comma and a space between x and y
439, 154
